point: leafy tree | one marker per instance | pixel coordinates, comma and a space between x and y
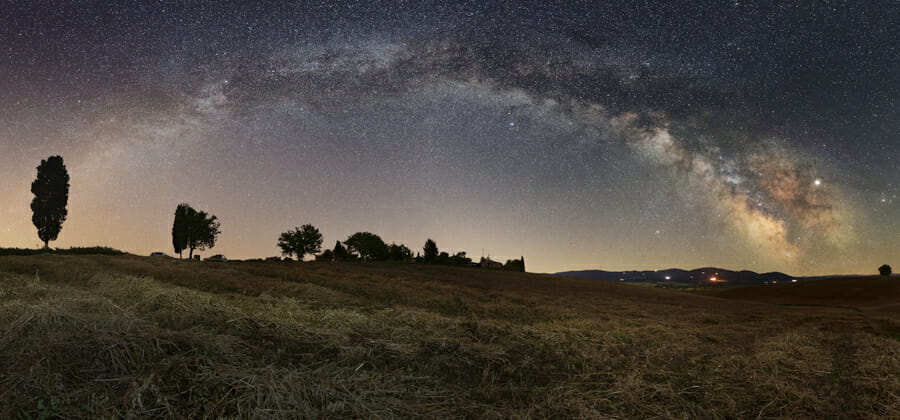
51, 195
300, 241
340, 253
399, 252
368, 245
515, 265
885, 270
194, 229
443, 258
202, 232
460, 259
430, 251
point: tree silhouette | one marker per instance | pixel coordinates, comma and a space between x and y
326, 255
460, 259
399, 252
515, 265
430, 251
885, 270
194, 230
180, 228
51, 195
340, 253
368, 245
300, 241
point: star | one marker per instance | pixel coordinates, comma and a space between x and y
519, 130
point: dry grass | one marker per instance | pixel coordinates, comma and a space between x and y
868, 292
125, 336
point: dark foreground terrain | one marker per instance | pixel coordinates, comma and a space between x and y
126, 336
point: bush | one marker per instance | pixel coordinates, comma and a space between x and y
368, 246
885, 270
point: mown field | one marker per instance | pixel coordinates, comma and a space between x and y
135, 337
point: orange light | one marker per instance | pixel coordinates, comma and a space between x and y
712, 279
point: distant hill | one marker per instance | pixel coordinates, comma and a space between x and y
699, 275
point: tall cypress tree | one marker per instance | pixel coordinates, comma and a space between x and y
430, 251
340, 253
51, 195
180, 228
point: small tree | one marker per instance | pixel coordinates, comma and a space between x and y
368, 245
430, 251
300, 241
193, 229
885, 270
326, 255
460, 259
340, 253
51, 195
399, 252
515, 265
204, 230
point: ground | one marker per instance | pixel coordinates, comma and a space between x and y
126, 336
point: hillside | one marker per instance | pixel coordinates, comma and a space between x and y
126, 336
704, 275
869, 291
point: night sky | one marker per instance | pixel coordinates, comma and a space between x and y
616, 135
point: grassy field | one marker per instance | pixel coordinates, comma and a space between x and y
126, 336
874, 292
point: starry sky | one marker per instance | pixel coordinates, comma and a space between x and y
611, 135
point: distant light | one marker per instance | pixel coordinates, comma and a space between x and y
712, 279
817, 182
793, 280
668, 277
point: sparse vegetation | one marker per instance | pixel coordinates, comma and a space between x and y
135, 337
885, 270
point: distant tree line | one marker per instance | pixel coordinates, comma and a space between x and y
367, 246
194, 230
198, 230
93, 250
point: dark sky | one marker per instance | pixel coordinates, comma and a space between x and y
624, 135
